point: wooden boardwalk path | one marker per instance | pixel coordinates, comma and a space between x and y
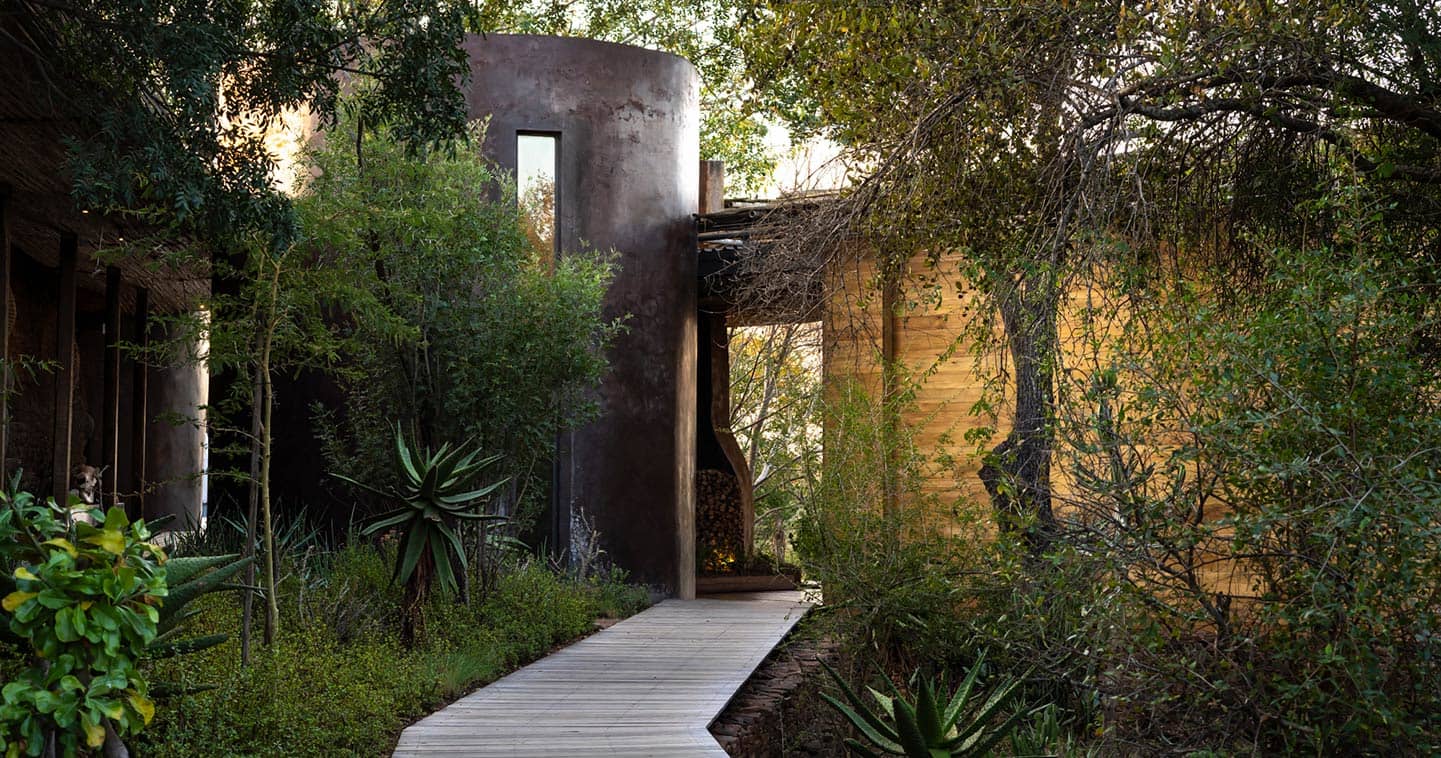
648, 686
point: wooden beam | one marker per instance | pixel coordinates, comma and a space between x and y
65, 376
110, 421
139, 387
5, 306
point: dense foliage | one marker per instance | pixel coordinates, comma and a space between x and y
84, 606
456, 327
338, 681
177, 97
775, 387
1204, 238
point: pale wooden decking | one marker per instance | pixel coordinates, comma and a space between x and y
648, 686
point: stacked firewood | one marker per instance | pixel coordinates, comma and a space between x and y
719, 531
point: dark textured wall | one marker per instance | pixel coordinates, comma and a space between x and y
628, 162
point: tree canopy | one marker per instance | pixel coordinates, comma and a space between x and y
173, 100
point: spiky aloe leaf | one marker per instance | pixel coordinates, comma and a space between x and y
967, 734
886, 702
470, 467
428, 483
363, 485
453, 540
443, 571
981, 743
928, 715
184, 647
181, 570
387, 520
473, 495
911, 739
860, 747
963, 693
403, 453
861, 716
181, 595
174, 625
880, 735
411, 546
474, 516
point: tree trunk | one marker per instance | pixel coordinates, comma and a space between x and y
413, 601
247, 603
267, 396
1017, 474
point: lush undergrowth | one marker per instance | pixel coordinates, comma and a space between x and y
337, 680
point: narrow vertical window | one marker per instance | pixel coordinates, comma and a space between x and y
535, 179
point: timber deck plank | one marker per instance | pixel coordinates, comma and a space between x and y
648, 686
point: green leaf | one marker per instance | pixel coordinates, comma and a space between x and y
466, 497
184, 594
181, 570
411, 547
909, 733
879, 734
928, 716
116, 520
863, 712
403, 453
387, 520
963, 692
443, 570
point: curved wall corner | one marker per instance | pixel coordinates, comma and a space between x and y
628, 123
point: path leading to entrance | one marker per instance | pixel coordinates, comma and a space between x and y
647, 686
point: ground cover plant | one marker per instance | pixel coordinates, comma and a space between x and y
339, 680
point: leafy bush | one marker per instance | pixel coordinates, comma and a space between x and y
1255, 529
536, 609
880, 545
455, 326
85, 606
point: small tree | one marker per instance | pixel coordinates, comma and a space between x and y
430, 503
455, 325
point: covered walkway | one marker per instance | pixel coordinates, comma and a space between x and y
648, 686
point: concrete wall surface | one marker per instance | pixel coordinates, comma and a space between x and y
628, 123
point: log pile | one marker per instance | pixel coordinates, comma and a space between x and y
718, 518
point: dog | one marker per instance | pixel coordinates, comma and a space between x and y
85, 483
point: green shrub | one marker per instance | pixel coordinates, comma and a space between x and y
505, 359
1256, 531
349, 688
83, 604
882, 549
616, 598
535, 609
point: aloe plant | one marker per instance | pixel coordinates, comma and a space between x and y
432, 499
929, 727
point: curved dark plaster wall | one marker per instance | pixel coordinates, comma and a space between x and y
628, 121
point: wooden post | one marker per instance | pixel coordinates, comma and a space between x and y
65, 377
139, 387
110, 421
5, 306
712, 186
